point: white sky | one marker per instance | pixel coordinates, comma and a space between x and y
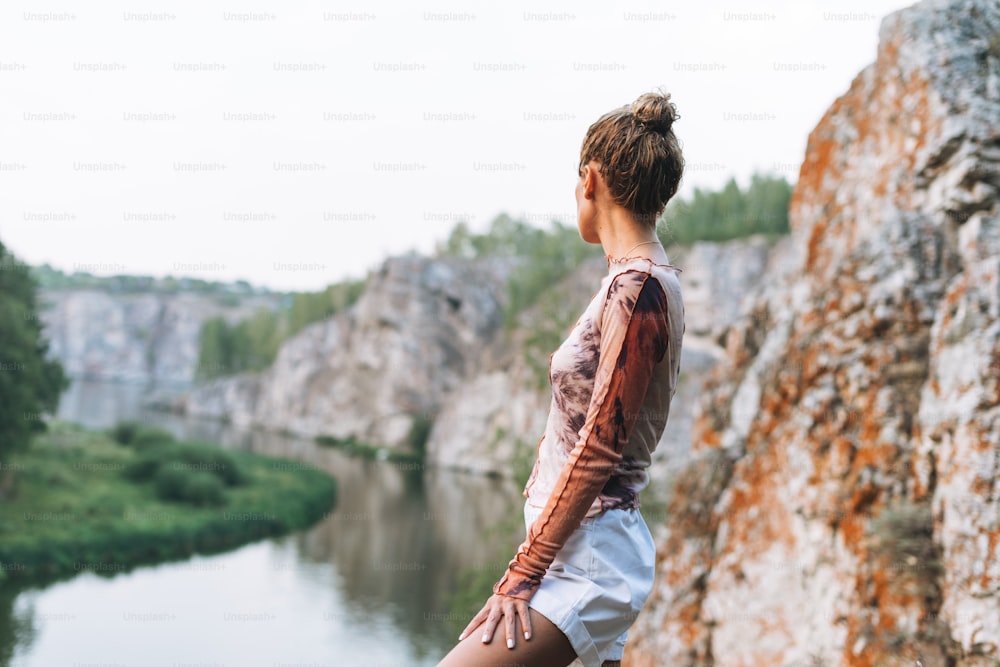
373, 127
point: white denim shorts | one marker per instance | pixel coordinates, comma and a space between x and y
597, 584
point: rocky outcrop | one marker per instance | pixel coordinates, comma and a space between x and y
424, 348
146, 338
841, 508
493, 424
379, 372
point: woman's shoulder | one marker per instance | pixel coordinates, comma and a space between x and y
642, 265
634, 271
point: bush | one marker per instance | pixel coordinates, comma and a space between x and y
126, 524
420, 431
188, 459
148, 437
208, 458
143, 468
197, 488
124, 431
139, 436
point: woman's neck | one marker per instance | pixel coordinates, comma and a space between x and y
625, 237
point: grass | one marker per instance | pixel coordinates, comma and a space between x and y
86, 500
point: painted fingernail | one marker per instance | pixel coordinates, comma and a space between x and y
510, 643
486, 638
461, 636
527, 635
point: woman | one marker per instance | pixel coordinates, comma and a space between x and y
586, 566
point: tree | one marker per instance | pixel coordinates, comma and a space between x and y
30, 383
253, 343
729, 213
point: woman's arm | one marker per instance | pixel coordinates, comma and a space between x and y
634, 338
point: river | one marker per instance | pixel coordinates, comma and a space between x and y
373, 583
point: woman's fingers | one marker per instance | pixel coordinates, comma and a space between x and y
508, 615
476, 620
525, 616
492, 619
491, 612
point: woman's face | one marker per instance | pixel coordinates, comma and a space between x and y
586, 211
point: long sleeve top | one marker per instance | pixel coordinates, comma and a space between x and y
612, 381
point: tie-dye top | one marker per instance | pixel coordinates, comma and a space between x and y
612, 381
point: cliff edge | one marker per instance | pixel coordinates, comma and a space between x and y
842, 507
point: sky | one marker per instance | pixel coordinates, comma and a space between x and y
297, 144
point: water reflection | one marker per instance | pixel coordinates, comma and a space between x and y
373, 582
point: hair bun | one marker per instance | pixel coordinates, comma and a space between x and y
655, 111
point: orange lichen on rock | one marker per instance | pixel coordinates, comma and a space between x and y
863, 411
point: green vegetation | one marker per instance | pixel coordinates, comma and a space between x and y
546, 256
357, 448
309, 307
420, 431
730, 213
30, 384
548, 331
253, 344
249, 345
48, 277
86, 500
139, 436
475, 583
226, 349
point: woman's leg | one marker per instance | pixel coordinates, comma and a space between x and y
548, 647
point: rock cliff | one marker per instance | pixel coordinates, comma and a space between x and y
146, 338
841, 507
424, 348
379, 371
493, 425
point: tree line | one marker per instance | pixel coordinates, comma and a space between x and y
30, 383
544, 255
252, 344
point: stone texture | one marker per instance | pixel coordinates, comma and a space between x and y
144, 338
425, 341
841, 507
494, 423
420, 328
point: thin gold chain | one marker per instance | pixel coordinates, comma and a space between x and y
637, 245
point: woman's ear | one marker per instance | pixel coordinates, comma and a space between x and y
590, 176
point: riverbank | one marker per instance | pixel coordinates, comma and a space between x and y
81, 500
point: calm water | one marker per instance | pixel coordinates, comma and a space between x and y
373, 583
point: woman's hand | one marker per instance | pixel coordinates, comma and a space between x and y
495, 607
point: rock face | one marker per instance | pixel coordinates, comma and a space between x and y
493, 424
424, 348
143, 338
842, 504
378, 372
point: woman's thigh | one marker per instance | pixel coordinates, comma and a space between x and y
548, 647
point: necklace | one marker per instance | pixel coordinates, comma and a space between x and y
626, 257
637, 245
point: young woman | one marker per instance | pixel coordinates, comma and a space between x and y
586, 566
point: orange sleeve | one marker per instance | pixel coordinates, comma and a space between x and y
634, 338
